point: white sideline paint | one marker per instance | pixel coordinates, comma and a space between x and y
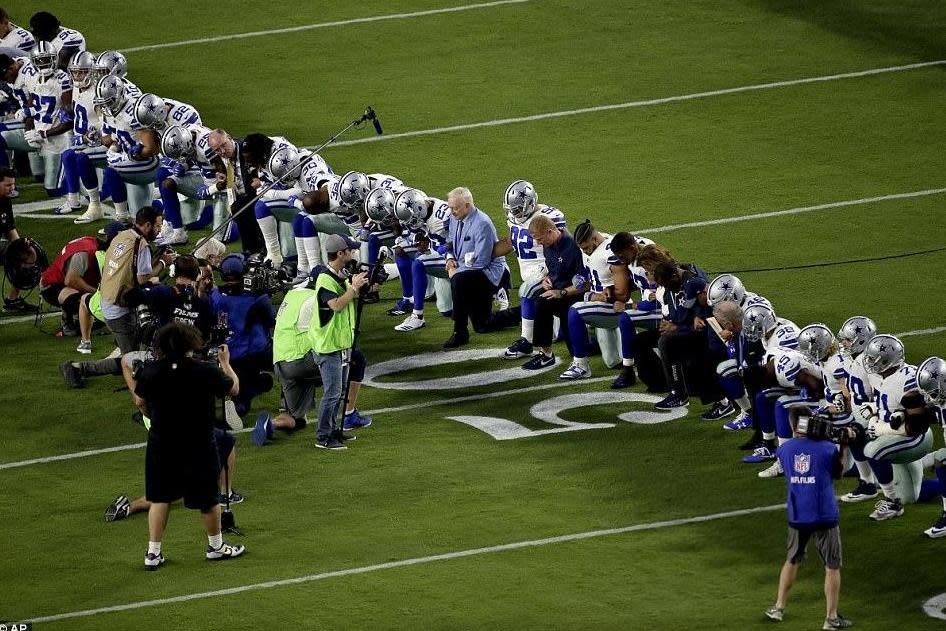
318, 25
643, 103
448, 556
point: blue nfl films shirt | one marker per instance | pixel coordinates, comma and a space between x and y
808, 466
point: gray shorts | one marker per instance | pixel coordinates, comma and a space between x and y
828, 542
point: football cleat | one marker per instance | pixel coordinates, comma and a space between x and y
403, 306
118, 509
575, 371
887, 509
93, 213
411, 323
626, 379
743, 421
501, 299
761, 454
520, 348
66, 208
862, 492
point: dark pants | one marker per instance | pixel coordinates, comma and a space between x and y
250, 236
472, 300
253, 380
688, 365
649, 367
545, 310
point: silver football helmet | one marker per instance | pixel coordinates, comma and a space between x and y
726, 287
282, 161
758, 320
82, 69
379, 206
815, 342
410, 208
151, 111
112, 62
177, 143
110, 94
520, 199
931, 379
883, 353
43, 58
353, 189
855, 333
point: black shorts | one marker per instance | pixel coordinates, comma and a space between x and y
171, 475
51, 294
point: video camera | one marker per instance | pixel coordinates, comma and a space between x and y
376, 276
260, 277
821, 426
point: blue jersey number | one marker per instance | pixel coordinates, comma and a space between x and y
858, 391
522, 243
81, 123
596, 285
45, 106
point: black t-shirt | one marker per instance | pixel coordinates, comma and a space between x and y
181, 399
7, 220
326, 295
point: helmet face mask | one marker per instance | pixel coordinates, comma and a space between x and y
379, 206
43, 58
112, 62
410, 208
282, 161
726, 288
815, 342
520, 199
110, 94
757, 321
151, 111
884, 353
177, 143
353, 189
856, 333
931, 380
82, 69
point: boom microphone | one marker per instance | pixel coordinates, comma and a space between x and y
370, 113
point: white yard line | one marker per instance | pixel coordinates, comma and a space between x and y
643, 103
318, 25
448, 556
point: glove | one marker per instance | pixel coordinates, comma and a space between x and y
867, 412
178, 169
115, 157
874, 428
896, 419
33, 138
136, 150
579, 281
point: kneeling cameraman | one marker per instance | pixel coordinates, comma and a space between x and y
178, 393
811, 461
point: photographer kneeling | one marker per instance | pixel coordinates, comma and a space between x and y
181, 461
250, 319
811, 461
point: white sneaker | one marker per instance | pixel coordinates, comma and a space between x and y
65, 208
501, 300
115, 354
85, 347
772, 472
575, 371
167, 231
93, 213
411, 323
122, 217
887, 509
176, 236
233, 419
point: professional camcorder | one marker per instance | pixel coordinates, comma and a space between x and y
260, 277
821, 426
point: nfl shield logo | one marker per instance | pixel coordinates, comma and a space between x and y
802, 463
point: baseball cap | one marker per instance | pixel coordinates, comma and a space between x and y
232, 265
691, 290
336, 243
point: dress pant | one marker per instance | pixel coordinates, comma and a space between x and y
472, 301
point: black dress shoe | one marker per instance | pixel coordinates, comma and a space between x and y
457, 340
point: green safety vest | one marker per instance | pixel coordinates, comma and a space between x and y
339, 333
95, 302
289, 343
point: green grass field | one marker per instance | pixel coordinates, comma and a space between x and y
418, 485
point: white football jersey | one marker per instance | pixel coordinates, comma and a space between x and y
85, 115
599, 265
638, 273
122, 127
888, 391
531, 255
860, 383
785, 336
834, 373
67, 38
345, 213
180, 113
42, 99
381, 180
18, 38
789, 365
